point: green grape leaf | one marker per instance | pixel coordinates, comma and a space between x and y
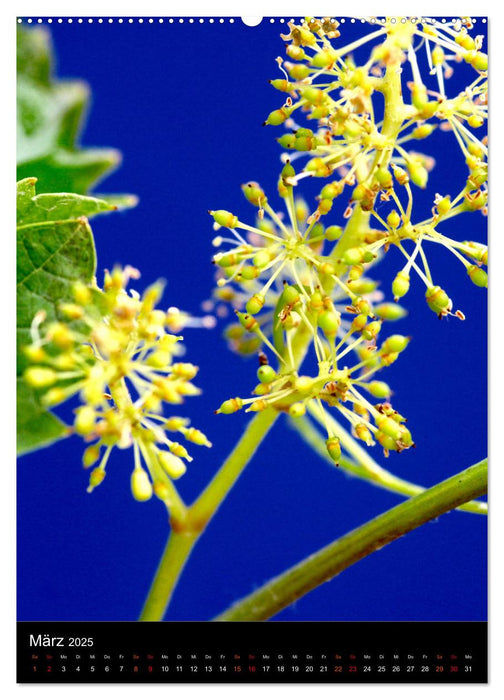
36, 427
55, 248
50, 116
32, 208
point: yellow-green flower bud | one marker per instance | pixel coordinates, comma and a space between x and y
40, 377
296, 410
463, 39
171, 464
95, 478
290, 296
354, 273
298, 71
390, 312
313, 95
91, 455
384, 178
423, 131
388, 359
329, 322
326, 268
362, 286
255, 304
72, 311
141, 487
248, 272
395, 343
261, 259
479, 61
259, 405
230, 406
247, 321
180, 451
295, 52
400, 285
380, 390
358, 323
159, 359
363, 433
85, 420
318, 167
390, 427
282, 85
34, 353
418, 174
372, 329
175, 423
287, 171
54, 396
334, 449
387, 442
331, 191
325, 206
478, 276
262, 389
419, 96
287, 141
324, 58
278, 116
81, 293
438, 300
266, 374
393, 219
161, 491
332, 233
61, 335
354, 256
400, 175
196, 436
444, 206
224, 218
254, 193
291, 320
475, 120
475, 201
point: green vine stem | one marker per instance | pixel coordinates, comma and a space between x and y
365, 467
186, 532
328, 562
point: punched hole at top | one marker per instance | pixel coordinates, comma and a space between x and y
251, 21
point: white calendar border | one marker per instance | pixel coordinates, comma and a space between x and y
188, 9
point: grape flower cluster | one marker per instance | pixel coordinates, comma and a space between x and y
116, 352
301, 278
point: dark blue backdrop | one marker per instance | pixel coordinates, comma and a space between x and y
185, 103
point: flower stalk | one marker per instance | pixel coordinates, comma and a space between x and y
330, 561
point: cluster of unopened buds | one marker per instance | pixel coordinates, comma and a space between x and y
351, 142
329, 297
293, 275
113, 348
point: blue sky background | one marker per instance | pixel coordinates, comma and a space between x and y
185, 103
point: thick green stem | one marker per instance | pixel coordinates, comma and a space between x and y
322, 566
186, 532
174, 557
361, 469
207, 504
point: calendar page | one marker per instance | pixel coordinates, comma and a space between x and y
252, 347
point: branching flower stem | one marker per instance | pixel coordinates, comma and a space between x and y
186, 530
363, 465
328, 562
